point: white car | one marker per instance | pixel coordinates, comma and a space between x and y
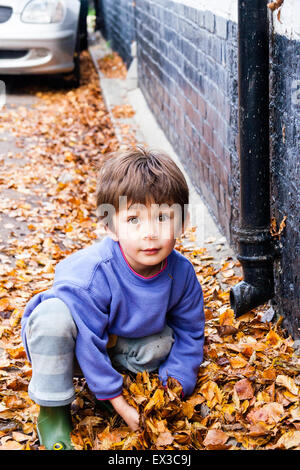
40, 37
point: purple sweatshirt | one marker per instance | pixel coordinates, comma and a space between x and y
106, 296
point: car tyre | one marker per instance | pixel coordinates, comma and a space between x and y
72, 80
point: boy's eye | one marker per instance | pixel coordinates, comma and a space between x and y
163, 217
133, 220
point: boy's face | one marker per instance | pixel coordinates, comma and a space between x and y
141, 228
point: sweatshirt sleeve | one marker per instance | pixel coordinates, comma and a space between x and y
92, 336
186, 319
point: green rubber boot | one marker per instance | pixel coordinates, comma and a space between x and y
54, 425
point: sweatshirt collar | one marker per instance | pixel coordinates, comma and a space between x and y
133, 275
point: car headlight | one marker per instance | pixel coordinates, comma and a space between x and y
43, 11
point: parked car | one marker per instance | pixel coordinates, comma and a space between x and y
41, 37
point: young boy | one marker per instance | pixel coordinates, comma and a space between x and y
132, 286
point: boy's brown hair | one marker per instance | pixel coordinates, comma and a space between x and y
143, 176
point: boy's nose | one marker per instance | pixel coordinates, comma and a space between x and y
153, 235
151, 231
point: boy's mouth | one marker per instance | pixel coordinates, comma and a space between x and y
150, 251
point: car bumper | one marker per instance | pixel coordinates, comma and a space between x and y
51, 54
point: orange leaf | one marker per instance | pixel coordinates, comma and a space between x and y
244, 389
5, 304
227, 317
215, 437
188, 409
16, 353
156, 401
237, 362
164, 439
269, 413
269, 374
273, 339
69, 228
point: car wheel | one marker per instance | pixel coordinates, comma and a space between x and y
76, 70
84, 6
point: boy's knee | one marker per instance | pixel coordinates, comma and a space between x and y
149, 352
157, 349
52, 316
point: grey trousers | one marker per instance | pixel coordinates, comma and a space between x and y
51, 336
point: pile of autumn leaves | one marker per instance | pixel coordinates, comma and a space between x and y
247, 391
246, 396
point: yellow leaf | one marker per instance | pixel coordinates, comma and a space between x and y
244, 406
16, 353
273, 339
188, 409
69, 156
5, 304
228, 408
289, 396
227, 317
15, 317
69, 228
288, 383
237, 362
212, 393
157, 401
20, 263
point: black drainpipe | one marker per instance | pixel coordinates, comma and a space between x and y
256, 251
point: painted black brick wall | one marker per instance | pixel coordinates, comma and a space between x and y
285, 171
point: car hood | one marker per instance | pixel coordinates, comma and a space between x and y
16, 5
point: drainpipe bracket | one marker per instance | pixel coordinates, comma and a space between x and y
252, 235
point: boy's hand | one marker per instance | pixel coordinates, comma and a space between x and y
128, 412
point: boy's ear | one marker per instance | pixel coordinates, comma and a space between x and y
111, 234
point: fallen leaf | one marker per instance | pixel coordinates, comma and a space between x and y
215, 437
244, 389
164, 439
237, 362
287, 382
269, 413
288, 440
